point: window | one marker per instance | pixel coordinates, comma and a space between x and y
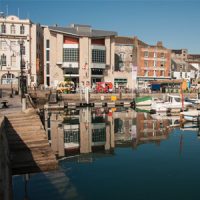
146, 54
70, 55
154, 63
162, 55
3, 28
146, 63
98, 56
12, 44
3, 60
161, 73
99, 135
47, 55
48, 81
47, 44
146, 73
22, 29
13, 61
12, 29
71, 136
3, 45
47, 68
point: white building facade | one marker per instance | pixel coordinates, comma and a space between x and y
14, 31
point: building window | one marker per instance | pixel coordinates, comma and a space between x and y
146, 73
161, 73
13, 61
3, 60
48, 81
3, 45
70, 55
47, 68
22, 29
162, 55
99, 135
98, 56
47, 55
146, 63
154, 63
71, 136
47, 44
3, 28
146, 54
12, 29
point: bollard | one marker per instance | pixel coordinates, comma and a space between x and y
23, 104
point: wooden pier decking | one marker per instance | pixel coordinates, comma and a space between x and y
30, 151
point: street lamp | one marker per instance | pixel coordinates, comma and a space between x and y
22, 78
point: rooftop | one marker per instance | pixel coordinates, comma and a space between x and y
82, 30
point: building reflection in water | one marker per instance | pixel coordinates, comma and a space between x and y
89, 130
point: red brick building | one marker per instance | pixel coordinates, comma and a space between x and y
153, 61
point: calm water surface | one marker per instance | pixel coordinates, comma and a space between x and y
116, 154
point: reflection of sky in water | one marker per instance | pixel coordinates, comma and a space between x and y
159, 168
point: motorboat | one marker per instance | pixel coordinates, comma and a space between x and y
174, 103
191, 115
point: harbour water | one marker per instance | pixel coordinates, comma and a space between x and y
116, 154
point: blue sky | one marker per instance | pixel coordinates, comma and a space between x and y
175, 22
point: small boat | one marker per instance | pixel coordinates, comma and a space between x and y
143, 101
173, 103
191, 115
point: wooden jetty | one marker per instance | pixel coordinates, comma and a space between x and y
30, 151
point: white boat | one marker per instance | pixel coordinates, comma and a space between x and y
191, 115
174, 102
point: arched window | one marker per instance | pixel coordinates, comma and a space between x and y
8, 78
12, 29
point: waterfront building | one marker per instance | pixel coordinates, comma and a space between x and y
180, 67
194, 60
153, 62
123, 71
78, 53
13, 32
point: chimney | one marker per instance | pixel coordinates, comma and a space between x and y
159, 44
135, 41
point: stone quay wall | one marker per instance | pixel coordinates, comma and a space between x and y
5, 168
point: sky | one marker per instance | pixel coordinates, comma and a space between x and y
174, 22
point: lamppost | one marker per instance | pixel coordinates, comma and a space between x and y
9, 77
22, 79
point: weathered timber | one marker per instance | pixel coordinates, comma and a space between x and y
29, 147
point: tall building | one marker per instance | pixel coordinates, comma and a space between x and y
77, 53
13, 32
153, 62
123, 71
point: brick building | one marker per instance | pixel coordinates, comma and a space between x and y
153, 62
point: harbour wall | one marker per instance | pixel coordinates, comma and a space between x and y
5, 168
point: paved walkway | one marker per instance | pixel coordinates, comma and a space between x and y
14, 105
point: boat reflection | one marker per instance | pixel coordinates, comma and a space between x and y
99, 130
